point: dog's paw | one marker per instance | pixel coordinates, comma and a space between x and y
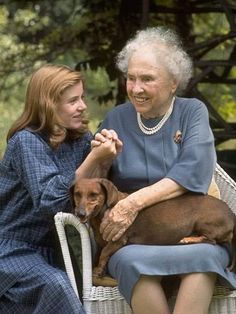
194, 239
105, 281
98, 272
184, 241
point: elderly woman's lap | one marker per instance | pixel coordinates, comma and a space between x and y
127, 264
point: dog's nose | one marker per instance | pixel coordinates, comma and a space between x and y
81, 214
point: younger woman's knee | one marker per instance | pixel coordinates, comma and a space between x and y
56, 280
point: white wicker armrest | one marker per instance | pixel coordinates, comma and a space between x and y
97, 300
227, 187
62, 219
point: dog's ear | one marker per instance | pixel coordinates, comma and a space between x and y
71, 193
112, 192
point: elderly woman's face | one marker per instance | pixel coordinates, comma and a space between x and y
72, 106
149, 85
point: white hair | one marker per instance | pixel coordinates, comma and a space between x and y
167, 47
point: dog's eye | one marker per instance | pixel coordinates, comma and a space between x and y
77, 194
93, 195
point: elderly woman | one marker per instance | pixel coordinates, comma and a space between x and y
168, 149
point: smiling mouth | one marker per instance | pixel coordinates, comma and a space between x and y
140, 99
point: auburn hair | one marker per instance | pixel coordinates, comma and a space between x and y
43, 93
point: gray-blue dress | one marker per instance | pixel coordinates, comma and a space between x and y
188, 159
34, 184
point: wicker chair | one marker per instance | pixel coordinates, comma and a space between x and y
108, 300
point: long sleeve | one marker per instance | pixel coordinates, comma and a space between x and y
195, 163
34, 186
45, 174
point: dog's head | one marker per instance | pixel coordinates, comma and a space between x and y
91, 197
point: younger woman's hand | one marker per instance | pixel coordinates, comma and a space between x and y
104, 151
107, 135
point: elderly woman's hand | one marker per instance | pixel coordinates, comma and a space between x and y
117, 220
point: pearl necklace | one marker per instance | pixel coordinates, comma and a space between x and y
156, 128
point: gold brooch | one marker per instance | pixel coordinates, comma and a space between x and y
178, 137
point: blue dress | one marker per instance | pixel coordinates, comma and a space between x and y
34, 185
188, 159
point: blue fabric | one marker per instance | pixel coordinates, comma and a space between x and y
127, 264
146, 159
34, 186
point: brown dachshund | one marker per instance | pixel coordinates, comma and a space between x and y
189, 218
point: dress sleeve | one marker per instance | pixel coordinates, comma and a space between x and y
37, 168
195, 164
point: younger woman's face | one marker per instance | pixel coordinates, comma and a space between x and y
72, 106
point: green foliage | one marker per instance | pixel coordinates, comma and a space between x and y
33, 33
222, 96
209, 25
227, 108
223, 99
97, 84
8, 115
